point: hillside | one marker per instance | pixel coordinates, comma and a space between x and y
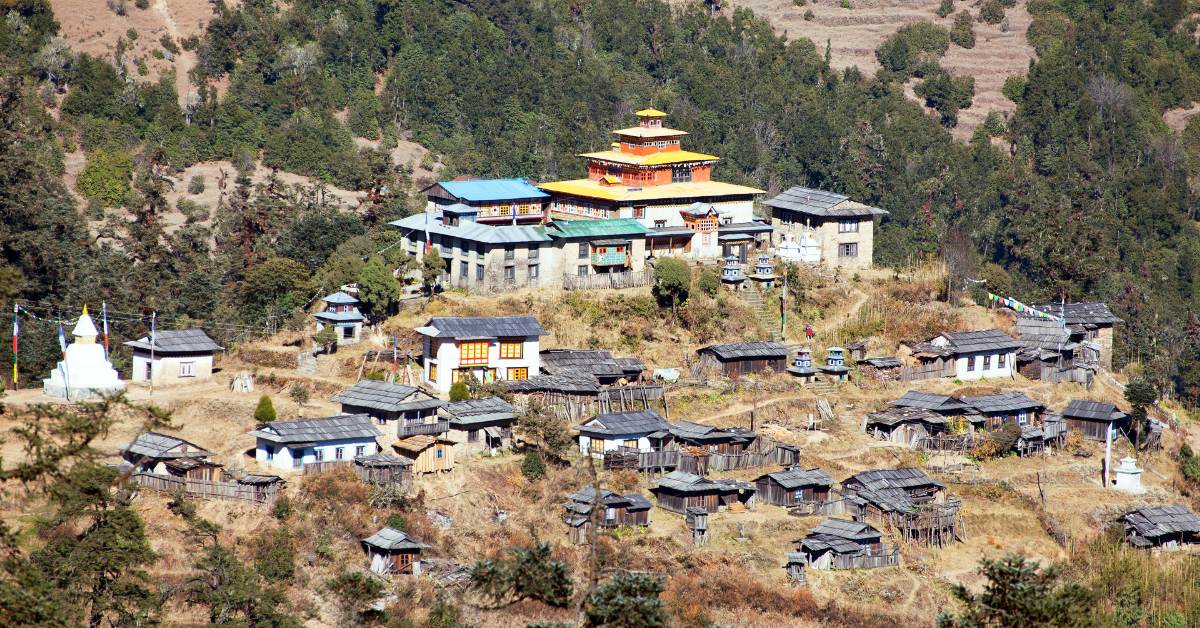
854, 32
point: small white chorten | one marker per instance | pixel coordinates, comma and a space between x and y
1129, 476
84, 372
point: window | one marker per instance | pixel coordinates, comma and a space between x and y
533, 271
799, 496
583, 250
512, 349
337, 453
473, 352
473, 436
510, 273
848, 249
381, 420
479, 272
582, 271
596, 445
187, 369
1001, 360
971, 363
348, 332
660, 224
847, 226
463, 269
518, 373
534, 252
681, 175
360, 451
433, 372
441, 452
631, 443
318, 455
270, 452
639, 212
987, 362
510, 252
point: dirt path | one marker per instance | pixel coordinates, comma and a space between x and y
184, 61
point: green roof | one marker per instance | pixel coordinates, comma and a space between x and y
595, 228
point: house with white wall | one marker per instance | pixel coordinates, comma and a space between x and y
486, 348
175, 357
979, 354
293, 444
843, 230
643, 430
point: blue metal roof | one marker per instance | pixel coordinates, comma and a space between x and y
492, 189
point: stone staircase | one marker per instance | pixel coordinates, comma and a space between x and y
769, 319
822, 388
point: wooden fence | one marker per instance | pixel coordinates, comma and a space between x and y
868, 560
609, 281
203, 489
438, 427
928, 370
768, 453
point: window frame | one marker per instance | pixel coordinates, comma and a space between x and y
848, 226
512, 348
848, 250
473, 351
187, 369
517, 373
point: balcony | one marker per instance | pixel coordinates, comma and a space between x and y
609, 259
413, 429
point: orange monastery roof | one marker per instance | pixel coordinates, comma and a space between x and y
588, 188
653, 159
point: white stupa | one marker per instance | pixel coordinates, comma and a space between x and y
806, 250
84, 371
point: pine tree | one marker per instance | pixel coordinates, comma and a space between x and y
265, 411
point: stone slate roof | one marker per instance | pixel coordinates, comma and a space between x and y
481, 327
343, 427
840, 536
882, 362
624, 423
684, 482
181, 341
930, 401
582, 500
393, 539
747, 351
903, 478
1092, 410
599, 363
692, 431
821, 203
1043, 333
155, 445
897, 415
574, 383
475, 411
795, 478
382, 459
382, 396
1086, 314
1010, 401
1159, 521
980, 341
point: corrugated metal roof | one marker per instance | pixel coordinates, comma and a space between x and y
753, 226
377, 395
177, 341
156, 445
795, 478
897, 415
746, 350
393, 539
624, 423
597, 362
670, 232
479, 190
352, 316
340, 298
343, 427
980, 341
587, 188
595, 228
905, 478
417, 224
1158, 521
485, 326
1094, 410
1010, 401
821, 203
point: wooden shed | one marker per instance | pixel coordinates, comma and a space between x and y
1162, 527
152, 452
1093, 418
677, 491
881, 369
393, 552
841, 544
904, 425
794, 487
745, 358
630, 510
429, 454
1006, 407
